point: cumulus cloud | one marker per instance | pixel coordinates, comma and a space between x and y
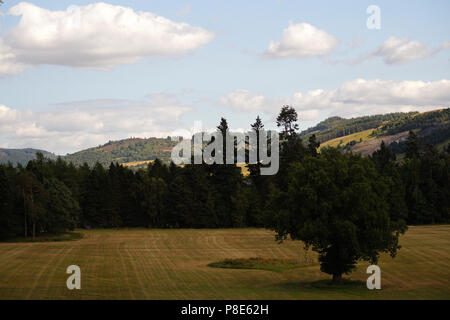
97, 36
395, 93
8, 61
302, 40
395, 50
352, 98
400, 51
244, 100
87, 123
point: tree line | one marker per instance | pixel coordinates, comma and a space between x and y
51, 196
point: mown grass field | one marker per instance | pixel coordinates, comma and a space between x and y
172, 264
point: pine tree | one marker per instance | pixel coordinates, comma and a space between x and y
6, 206
287, 119
257, 126
223, 129
412, 145
313, 145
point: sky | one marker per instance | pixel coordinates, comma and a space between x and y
76, 74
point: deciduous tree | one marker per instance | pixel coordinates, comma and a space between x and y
336, 204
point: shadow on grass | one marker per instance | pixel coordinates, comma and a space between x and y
276, 265
326, 284
325, 290
69, 236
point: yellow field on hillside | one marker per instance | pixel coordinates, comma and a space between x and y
364, 135
136, 163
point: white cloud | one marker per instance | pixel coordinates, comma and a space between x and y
244, 100
401, 51
395, 50
353, 98
394, 93
87, 123
8, 61
97, 36
302, 40
7, 115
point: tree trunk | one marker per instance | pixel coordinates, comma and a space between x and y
24, 213
257, 147
25, 226
32, 204
337, 278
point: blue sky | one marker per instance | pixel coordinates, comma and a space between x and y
56, 96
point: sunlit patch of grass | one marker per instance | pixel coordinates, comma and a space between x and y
342, 141
137, 163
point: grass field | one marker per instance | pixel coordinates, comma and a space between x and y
172, 264
137, 163
362, 135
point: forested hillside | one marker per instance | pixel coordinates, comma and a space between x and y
336, 127
365, 134
124, 151
416, 121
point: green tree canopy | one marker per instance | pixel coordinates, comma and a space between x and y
336, 204
287, 119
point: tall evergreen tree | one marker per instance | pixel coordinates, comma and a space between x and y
291, 148
313, 145
223, 129
61, 211
383, 156
6, 206
257, 126
412, 145
287, 119
254, 169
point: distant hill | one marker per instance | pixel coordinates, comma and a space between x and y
133, 151
365, 134
362, 135
336, 127
22, 156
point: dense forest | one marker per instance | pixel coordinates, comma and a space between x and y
52, 195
